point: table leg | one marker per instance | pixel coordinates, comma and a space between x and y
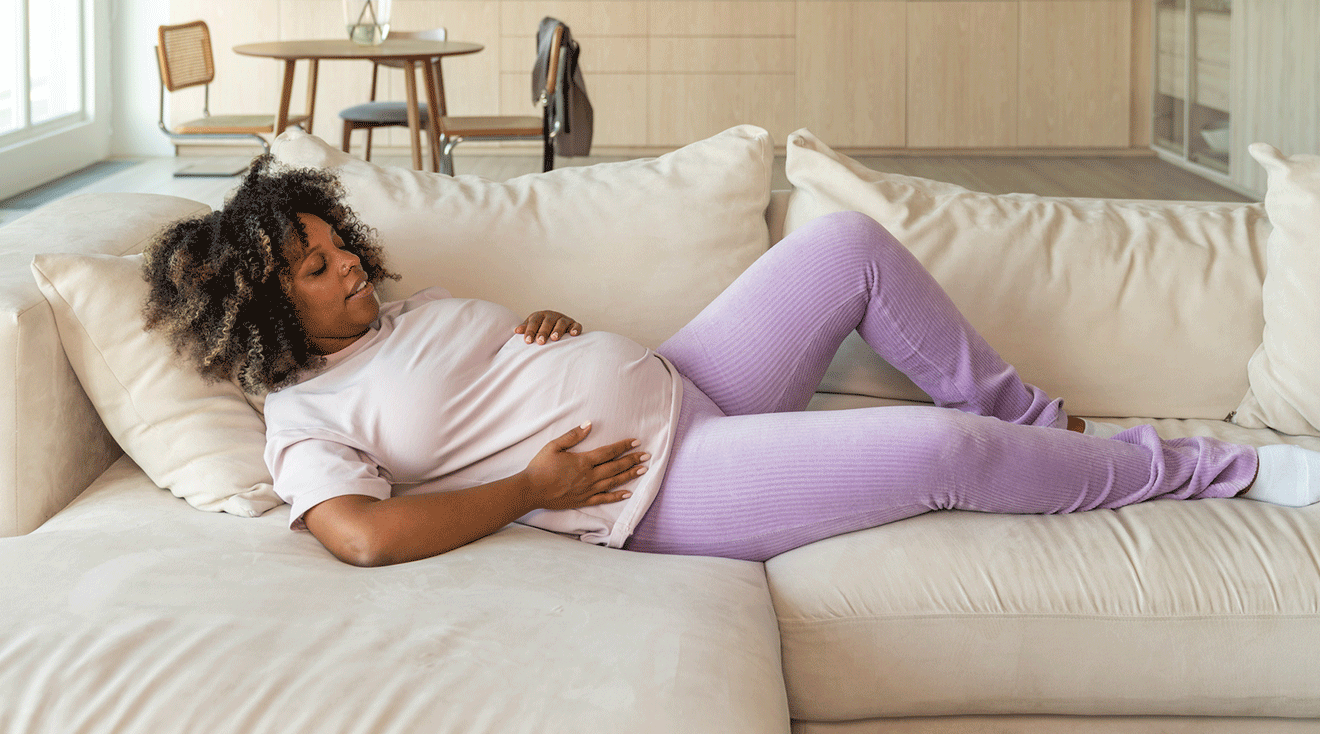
311, 95
414, 126
286, 92
440, 85
435, 108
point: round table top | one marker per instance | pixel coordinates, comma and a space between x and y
401, 48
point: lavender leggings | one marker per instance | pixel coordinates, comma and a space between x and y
752, 475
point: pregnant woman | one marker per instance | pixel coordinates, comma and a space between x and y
403, 430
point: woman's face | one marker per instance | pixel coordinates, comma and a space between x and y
328, 287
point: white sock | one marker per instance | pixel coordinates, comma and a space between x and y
1100, 429
1288, 476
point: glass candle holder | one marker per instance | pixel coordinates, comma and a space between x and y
367, 21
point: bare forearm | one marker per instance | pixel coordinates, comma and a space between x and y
408, 528
366, 531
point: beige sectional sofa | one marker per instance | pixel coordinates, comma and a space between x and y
128, 608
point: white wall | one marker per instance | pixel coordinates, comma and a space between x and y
135, 79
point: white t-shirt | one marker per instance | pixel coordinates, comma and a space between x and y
441, 395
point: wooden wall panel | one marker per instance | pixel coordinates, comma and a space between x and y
613, 36
859, 73
689, 107
852, 72
1276, 82
722, 18
584, 17
608, 54
690, 55
962, 74
1141, 77
1074, 73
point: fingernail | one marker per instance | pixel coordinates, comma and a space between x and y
573, 332
585, 425
635, 443
644, 457
540, 340
626, 495
529, 340
641, 470
554, 336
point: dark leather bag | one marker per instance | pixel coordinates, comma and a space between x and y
569, 108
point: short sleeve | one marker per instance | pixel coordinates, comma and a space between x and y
310, 471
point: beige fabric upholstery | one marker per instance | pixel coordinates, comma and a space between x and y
52, 444
141, 614
1205, 608
614, 245
201, 440
1042, 279
1063, 724
1285, 370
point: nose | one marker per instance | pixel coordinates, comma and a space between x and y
349, 262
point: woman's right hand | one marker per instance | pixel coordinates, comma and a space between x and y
558, 479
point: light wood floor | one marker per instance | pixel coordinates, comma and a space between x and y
1122, 178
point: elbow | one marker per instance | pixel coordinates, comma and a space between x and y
364, 551
358, 544
352, 532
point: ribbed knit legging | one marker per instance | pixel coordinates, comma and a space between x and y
752, 475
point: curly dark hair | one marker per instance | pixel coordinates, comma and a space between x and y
218, 284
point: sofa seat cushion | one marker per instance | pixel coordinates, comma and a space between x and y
129, 611
961, 613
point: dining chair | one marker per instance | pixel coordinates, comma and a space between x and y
183, 57
557, 75
373, 114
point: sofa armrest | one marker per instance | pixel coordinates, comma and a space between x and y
52, 443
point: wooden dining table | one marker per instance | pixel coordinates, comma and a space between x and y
411, 53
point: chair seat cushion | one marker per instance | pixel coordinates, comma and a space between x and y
381, 113
492, 127
223, 124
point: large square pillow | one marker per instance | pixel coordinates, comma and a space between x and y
1285, 370
203, 441
635, 247
1122, 308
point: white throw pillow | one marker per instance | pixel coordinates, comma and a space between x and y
636, 247
1122, 308
203, 441
1285, 370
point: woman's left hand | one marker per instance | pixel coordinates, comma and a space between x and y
547, 326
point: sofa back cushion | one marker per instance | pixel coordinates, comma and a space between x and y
1122, 308
635, 247
1285, 370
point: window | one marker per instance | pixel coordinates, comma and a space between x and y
41, 71
54, 89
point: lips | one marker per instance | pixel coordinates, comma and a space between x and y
362, 289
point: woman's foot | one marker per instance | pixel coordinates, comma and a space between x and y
1288, 476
